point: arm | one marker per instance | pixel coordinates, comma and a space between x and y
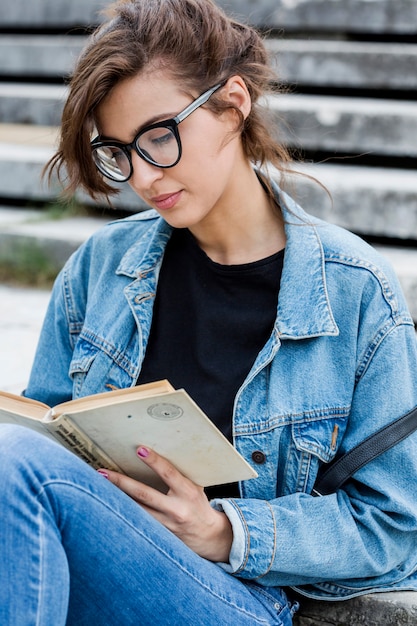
370, 525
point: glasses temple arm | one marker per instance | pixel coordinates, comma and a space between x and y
197, 103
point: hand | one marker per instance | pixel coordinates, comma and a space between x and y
184, 509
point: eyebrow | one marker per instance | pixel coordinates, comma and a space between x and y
136, 131
154, 120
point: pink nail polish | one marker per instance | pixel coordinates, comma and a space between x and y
103, 473
143, 452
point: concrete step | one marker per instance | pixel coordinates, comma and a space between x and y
347, 125
338, 63
39, 55
388, 16
372, 201
318, 62
51, 239
344, 125
24, 150
27, 103
369, 16
379, 202
52, 13
378, 609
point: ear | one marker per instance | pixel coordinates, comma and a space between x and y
236, 92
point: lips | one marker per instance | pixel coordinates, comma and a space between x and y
166, 200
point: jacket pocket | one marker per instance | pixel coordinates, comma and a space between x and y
81, 363
313, 442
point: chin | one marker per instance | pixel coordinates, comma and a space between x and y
180, 221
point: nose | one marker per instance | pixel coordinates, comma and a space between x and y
144, 174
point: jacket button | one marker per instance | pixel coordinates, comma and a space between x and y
258, 457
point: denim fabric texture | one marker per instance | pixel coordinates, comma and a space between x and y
341, 362
79, 552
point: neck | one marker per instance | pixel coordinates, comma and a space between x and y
247, 227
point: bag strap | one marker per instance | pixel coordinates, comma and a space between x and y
343, 467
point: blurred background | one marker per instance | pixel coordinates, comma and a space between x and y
349, 112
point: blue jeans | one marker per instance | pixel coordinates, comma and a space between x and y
76, 550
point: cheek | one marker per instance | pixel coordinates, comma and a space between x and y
212, 152
204, 140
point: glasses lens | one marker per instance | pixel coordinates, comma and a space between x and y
112, 162
159, 145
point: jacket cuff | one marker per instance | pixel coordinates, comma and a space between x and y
254, 536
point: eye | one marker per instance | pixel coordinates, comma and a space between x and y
162, 139
156, 138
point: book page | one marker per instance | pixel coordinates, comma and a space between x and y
34, 423
74, 439
171, 424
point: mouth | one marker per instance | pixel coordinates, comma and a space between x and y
166, 200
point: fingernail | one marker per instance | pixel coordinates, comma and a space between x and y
143, 452
103, 473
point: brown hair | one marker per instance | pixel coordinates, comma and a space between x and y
200, 46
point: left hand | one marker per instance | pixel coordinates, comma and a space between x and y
184, 509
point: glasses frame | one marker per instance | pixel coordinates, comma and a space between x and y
171, 123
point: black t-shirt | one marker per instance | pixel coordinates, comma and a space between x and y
209, 323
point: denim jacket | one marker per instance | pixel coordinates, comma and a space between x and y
340, 363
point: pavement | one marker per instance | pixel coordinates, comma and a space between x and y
21, 314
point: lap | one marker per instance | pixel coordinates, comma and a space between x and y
124, 566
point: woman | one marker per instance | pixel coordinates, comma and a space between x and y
292, 368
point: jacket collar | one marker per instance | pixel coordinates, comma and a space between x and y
304, 309
147, 252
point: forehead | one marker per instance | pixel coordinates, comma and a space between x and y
137, 101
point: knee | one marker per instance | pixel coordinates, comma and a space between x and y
18, 443
26, 461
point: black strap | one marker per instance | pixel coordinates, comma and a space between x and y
343, 467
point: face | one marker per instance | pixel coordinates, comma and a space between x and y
206, 179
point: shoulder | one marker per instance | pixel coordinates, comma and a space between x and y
342, 246
128, 228
122, 242
116, 238
354, 271
355, 267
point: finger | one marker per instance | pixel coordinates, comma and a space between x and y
135, 489
171, 476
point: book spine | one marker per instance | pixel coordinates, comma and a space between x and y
75, 440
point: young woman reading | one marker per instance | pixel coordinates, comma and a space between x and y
292, 334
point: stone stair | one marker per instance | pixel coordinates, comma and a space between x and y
350, 68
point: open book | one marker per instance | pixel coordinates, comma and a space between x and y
106, 429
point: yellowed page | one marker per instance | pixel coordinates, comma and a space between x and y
173, 425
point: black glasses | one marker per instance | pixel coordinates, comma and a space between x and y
159, 144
